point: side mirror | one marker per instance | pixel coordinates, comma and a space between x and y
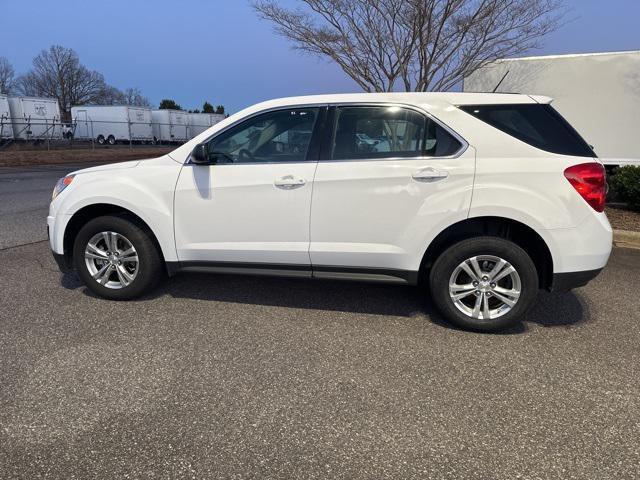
199, 154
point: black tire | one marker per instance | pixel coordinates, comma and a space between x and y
111, 140
150, 263
450, 259
101, 140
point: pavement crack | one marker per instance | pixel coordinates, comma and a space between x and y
44, 267
22, 245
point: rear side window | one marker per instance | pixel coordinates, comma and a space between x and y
439, 142
388, 132
538, 125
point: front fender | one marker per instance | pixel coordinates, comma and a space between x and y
145, 191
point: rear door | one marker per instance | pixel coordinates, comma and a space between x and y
6, 127
83, 128
139, 124
179, 126
388, 180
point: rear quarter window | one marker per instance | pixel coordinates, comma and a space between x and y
540, 126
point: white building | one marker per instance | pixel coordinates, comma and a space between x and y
599, 94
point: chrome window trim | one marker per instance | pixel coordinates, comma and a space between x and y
464, 145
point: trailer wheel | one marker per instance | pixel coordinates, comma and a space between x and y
111, 140
100, 140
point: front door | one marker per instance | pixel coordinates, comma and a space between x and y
250, 208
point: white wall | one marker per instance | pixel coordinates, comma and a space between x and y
599, 94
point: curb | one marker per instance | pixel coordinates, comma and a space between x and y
627, 239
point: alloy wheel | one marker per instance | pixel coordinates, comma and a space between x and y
111, 259
485, 287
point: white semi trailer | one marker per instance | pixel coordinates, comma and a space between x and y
199, 122
35, 118
599, 94
170, 125
111, 124
6, 127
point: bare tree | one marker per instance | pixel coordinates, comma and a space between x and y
110, 96
7, 76
134, 97
420, 45
58, 73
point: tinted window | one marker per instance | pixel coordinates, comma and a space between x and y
388, 132
538, 125
377, 132
439, 142
280, 136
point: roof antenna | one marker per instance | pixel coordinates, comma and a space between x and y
500, 82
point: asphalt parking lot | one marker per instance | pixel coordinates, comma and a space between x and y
25, 193
234, 377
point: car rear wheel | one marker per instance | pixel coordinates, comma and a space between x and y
101, 140
111, 140
116, 258
484, 284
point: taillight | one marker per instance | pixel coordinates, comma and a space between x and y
589, 180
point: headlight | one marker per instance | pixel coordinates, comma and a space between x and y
63, 183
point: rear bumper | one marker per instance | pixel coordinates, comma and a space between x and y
563, 282
585, 247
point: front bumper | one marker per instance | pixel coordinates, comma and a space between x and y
62, 262
60, 258
563, 282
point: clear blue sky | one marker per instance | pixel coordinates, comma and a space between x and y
217, 50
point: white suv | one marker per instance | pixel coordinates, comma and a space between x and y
482, 198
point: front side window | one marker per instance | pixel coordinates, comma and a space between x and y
279, 136
538, 125
379, 132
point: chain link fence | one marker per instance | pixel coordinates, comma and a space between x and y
44, 134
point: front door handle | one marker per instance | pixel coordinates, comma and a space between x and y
289, 182
430, 174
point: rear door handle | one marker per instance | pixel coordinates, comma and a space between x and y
430, 174
289, 182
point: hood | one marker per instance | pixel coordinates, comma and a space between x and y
110, 166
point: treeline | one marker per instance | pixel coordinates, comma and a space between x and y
58, 73
168, 104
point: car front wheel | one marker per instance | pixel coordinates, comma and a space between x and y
484, 284
116, 258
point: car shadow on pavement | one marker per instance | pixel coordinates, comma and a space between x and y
329, 295
559, 310
550, 309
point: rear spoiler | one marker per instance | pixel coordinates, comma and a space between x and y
541, 99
